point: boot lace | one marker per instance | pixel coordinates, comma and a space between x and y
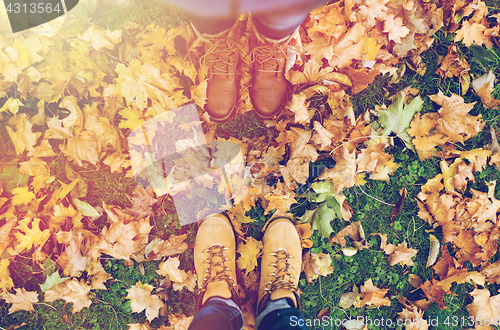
281, 270
268, 57
220, 56
217, 270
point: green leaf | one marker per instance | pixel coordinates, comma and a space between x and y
325, 186
397, 117
482, 55
11, 178
307, 216
49, 266
52, 281
322, 197
321, 220
86, 209
334, 204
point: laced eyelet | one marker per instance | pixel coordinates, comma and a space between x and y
219, 267
280, 273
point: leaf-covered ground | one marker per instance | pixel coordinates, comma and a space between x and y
386, 157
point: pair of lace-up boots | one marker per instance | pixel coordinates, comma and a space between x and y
268, 86
215, 254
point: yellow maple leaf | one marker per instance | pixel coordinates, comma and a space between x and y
133, 118
141, 299
239, 212
29, 237
279, 202
22, 195
249, 252
6, 282
100, 39
20, 132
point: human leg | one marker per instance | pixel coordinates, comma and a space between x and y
273, 32
214, 259
220, 61
217, 314
278, 305
279, 315
278, 24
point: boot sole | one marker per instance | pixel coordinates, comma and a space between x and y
224, 119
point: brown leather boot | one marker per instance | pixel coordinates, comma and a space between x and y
221, 58
281, 264
268, 87
214, 260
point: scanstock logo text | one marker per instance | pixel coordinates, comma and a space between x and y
26, 14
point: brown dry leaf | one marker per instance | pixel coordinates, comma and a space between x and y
395, 28
142, 201
484, 309
138, 326
249, 253
189, 283
343, 174
22, 300
248, 310
414, 319
372, 295
170, 268
83, 147
174, 245
396, 211
492, 272
473, 34
299, 145
179, 321
434, 292
414, 281
454, 120
299, 107
72, 291
304, 231
400, 254
141, 299
117, 162
433, 251
351, 230
316, 264
98, 276
322, 136
323, 313
460, 278
485, 93
348, 298
71, 260
453, 65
